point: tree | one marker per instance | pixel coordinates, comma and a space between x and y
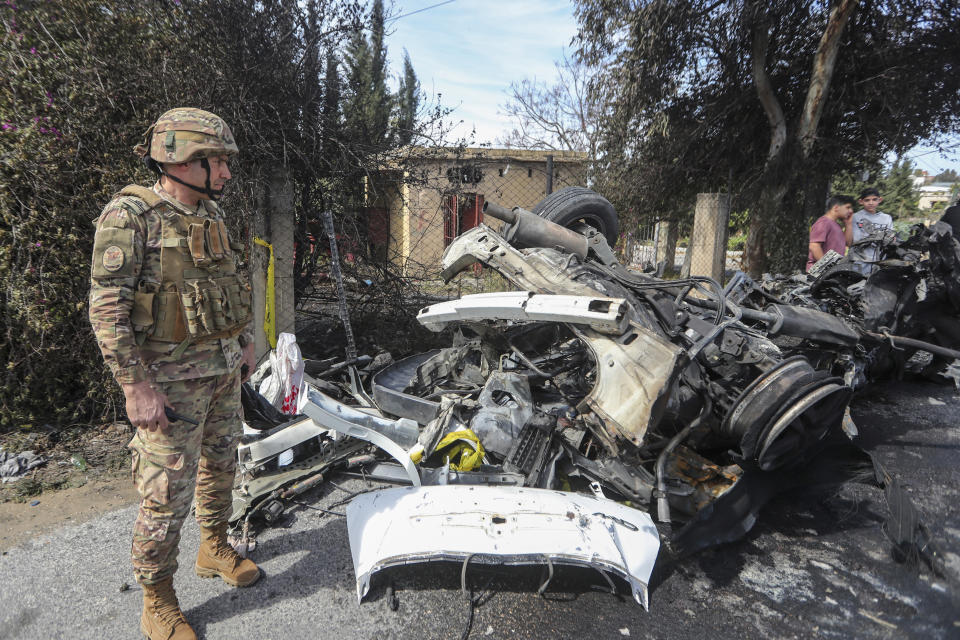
764, 100
947, 176
561, 116
894, 182
369, 103
899, 194
408, 101
83, 79
330, 114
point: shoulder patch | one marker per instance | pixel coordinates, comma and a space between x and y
113, 252
113, 258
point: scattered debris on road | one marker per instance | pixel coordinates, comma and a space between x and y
14, 466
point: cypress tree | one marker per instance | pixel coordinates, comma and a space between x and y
408, 100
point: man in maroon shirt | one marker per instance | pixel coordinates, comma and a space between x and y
827, 233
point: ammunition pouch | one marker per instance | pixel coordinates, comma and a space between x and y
197, 295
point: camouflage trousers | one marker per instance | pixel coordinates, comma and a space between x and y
189, 461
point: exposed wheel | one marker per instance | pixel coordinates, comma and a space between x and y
572, 206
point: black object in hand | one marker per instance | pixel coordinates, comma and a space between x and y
173, 416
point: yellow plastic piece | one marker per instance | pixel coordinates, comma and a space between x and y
463, 449
416, 453
270, 311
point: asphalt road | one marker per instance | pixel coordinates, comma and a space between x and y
812, 567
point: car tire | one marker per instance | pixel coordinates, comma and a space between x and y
572, 206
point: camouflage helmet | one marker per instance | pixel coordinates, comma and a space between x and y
184, 134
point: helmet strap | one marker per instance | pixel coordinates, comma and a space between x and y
152, 165
209, 190
213, 194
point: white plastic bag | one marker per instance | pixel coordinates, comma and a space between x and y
284, 386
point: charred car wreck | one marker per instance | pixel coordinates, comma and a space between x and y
572, 413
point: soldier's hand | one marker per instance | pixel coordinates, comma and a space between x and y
249, 363
145, 407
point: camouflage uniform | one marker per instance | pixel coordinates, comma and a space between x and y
201, 378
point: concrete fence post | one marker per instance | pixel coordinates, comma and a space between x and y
666, 241
282, 223
259, 260
708, 242
274, 224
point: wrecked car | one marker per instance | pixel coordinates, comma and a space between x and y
575, 419
904, 303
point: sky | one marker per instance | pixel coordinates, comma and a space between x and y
468, 52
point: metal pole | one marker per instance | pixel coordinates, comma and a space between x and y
356, 387
656, 243
351, 346
549, 174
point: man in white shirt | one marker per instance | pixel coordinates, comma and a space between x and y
867, 223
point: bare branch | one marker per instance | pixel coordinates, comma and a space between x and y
771, 106
557, 117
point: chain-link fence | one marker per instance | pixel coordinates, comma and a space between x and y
416, 215
640, 246
391, 239
391, 246
391, 249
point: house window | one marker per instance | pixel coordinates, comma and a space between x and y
465, 174
529, 173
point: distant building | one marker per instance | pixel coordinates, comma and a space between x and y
416, 211
936, 193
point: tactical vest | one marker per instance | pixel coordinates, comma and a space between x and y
199, 295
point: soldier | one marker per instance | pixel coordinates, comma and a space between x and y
172, 319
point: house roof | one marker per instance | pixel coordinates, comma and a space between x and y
493, 154
937, 187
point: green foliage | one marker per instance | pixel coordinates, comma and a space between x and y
947, 176
368, 103
902, 227
408, 101
738, 221
82, 81
27, 488
65, 147
737, 242
899, 195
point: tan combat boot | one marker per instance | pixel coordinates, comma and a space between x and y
162, 618
217, 558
